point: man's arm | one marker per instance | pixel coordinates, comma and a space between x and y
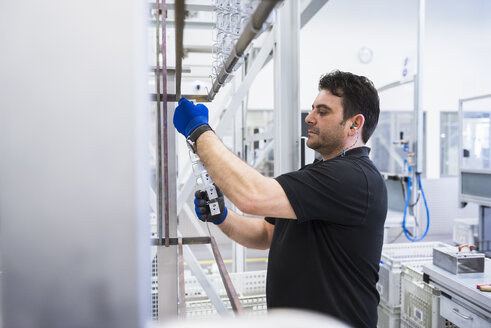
248, 231
250, 191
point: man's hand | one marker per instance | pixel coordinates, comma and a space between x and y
188, 116
202, 208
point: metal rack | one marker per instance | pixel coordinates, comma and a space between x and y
166, 213
281, 46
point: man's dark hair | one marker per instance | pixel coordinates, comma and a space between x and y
359, 96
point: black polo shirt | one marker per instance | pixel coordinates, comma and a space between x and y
328, 259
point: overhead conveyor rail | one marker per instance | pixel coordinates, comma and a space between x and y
248, 35
251, 30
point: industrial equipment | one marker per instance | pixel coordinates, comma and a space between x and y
456, 261
475, 165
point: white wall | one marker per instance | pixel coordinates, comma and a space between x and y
456, 55
74, 176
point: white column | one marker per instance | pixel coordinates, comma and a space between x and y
433, 144
286, 98
419, 88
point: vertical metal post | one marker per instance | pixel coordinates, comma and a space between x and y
240, 132
182, 292
158, 121
418, 87
286, 97
238, 257
167, 256
179, 11
460, 120
164, 128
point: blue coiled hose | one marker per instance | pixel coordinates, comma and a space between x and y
408, 197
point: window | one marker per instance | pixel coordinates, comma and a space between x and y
449, 143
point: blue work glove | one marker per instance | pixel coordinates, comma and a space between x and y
202, 208
189, 116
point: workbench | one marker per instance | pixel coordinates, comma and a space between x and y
461, 302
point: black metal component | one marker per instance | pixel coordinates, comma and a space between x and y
426, 278
185, 240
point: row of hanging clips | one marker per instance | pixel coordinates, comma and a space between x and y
231, 16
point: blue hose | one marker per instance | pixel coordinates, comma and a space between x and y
408, 196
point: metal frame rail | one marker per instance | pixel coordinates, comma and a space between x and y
158, 98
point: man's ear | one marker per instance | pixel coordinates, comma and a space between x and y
357, 122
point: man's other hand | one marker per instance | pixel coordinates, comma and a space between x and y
202, 208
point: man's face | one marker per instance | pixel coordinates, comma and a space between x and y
327, 131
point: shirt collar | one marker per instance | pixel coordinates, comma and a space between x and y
357, 152
354, 152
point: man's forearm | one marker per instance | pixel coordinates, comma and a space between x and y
248, 231
229, 171
250, 191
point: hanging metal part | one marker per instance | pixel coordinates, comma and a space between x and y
158, 120
252, 28
227, 282
243, 89
179, 9
182, 292
165, 191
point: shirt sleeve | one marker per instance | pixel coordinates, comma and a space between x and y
335, 191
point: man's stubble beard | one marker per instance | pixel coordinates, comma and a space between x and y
327, 143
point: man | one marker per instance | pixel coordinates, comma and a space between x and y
324, 223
